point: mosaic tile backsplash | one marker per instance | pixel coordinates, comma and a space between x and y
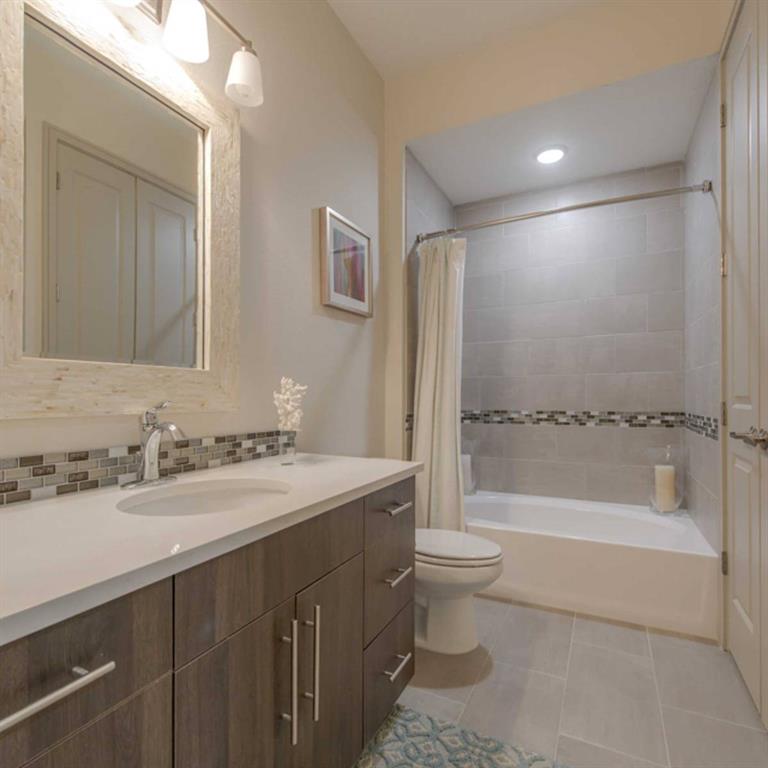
29, 478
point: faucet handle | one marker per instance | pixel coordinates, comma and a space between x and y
149, 419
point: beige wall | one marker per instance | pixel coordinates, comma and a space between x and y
316, 141
578, 51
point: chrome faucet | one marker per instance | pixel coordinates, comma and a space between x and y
152, 431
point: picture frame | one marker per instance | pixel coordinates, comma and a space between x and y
345, 264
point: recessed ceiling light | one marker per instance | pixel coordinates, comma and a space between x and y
551, 155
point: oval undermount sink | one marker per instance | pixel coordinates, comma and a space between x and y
203, 497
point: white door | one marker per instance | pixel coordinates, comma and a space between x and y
90, 260
742, 346
166, 277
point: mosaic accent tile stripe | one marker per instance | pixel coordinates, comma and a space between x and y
703, 425
578, 418
44, 475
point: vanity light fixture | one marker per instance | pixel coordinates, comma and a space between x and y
125, 3
551, 155
186, 31
186, 37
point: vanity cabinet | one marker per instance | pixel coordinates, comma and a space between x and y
137, 734
218, 597
228, 703
106, 654
288, 652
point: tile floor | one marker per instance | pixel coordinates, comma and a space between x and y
593, 694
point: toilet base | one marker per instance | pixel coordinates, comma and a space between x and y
446, 626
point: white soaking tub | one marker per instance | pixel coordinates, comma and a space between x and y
617, 561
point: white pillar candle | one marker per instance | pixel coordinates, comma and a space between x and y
665, 487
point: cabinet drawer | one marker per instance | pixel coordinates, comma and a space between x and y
216, 598
135, 735
390, 511
389, 665
132, 632
389, 580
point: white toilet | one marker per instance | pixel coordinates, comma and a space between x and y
451, 566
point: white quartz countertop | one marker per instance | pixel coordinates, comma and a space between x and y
62, 556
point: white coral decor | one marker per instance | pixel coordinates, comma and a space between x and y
288, 404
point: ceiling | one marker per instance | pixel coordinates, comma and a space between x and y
397, 35
637, 123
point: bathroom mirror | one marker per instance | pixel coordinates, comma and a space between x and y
112, 198
121, 288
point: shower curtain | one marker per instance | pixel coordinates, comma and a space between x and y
437, 415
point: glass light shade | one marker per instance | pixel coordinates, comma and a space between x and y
244, 84
125, 3
186, 31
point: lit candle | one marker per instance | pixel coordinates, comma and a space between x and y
665, 488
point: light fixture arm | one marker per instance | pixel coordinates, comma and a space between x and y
247, 44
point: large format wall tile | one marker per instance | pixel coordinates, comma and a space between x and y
589, 310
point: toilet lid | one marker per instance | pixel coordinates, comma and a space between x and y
454, 545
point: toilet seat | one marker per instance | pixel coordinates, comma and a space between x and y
455, 549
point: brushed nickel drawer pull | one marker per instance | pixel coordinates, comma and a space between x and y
404, 573
400, 667
315, 695
293, 717
395, 509
84, 679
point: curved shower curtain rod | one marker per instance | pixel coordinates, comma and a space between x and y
705, 186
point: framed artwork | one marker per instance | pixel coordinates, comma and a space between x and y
345, 264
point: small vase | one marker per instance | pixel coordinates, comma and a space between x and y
287, 448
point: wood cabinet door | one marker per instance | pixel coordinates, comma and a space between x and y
330, 614
216, 598
137, 734
229, 701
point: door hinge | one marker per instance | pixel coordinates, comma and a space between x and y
58, 180
723, 265
724, 563
58, 292
723, 414
722, 115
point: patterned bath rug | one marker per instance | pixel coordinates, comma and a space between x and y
410, 739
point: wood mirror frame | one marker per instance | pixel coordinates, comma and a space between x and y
35, 387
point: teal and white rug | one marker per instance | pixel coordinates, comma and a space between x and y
409, 739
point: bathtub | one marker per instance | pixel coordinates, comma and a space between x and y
615, 561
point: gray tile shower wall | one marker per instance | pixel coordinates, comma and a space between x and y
582, 311
580, 462
28, 478
702, 322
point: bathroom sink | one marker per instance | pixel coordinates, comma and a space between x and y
204, 497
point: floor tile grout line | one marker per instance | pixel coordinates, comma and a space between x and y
565, 688
716, 719
490, 658
617, 651
533, 670
595, 744
658, 697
